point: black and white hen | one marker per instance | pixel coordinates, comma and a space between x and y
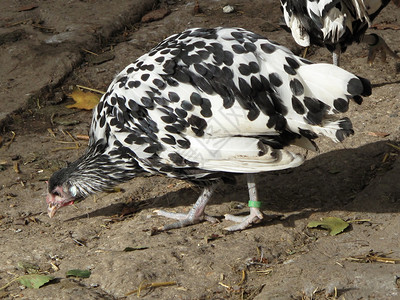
205, 105
335, 24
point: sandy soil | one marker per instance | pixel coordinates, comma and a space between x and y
278, 259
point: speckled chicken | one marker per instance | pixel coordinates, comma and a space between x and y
335, 24
206, 105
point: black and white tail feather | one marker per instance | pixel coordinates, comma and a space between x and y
335, 24
209, 103
330, 23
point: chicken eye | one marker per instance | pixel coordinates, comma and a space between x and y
56, 193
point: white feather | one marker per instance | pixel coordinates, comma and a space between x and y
236, 155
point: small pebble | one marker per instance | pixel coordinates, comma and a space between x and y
228, 9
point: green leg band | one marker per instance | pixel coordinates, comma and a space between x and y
256, 204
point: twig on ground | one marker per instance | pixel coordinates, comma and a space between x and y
7, 145
84, 137
374, 257
393, 146
243, 278
90, 52
90, 89
144, 286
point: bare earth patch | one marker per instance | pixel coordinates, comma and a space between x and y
280, 258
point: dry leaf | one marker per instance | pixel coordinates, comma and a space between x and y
84, 100
378, 133
28, 7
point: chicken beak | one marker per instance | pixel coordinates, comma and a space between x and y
51, 209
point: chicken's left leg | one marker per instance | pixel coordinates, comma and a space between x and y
255, 215
194, 216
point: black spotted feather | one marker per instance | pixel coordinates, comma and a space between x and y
335, 24
208, 103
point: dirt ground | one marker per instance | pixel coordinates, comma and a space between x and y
280, 258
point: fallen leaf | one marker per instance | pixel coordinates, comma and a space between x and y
34, 280
332, 224
28, 7
84, 100
78, 273
378, 133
